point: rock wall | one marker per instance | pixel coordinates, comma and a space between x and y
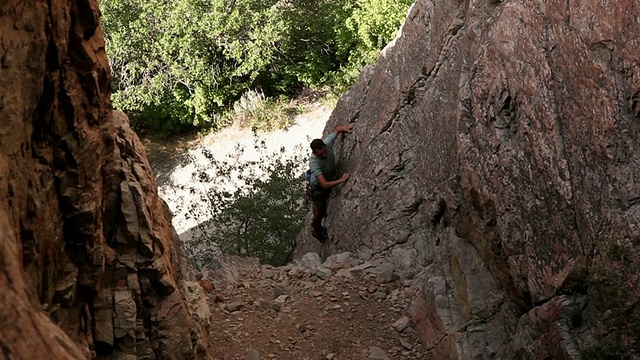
88, 264
495, 159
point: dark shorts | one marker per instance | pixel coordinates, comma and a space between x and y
320, 197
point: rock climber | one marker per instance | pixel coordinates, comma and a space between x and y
323, 175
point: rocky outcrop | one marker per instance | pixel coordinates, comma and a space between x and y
495, 158
86, 252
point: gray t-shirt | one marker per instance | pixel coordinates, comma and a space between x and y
326, 166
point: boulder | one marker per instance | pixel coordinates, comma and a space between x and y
309, 261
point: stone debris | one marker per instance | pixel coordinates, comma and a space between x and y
343, 260
253, 355
207, 286
335, 309
401, 324
345, 273
322, 273
406, 344
280, 289
310, 261
376, 353
234, 306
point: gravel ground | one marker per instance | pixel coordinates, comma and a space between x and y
334, 311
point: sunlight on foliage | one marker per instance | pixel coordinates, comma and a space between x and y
182, 64
260, 114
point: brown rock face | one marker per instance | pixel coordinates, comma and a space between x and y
496, 159
86, 245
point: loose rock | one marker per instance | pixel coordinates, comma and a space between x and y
401, 324
376, 353
253, 355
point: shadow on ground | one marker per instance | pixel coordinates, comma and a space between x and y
167, 154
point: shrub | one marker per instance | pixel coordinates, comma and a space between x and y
256, 112
182, 64
260, 217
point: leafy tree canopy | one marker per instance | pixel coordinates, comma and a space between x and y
182, 63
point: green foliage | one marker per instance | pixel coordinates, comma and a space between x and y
261, 217
260, 114
310, 54
370, 27
330, 100
182, 63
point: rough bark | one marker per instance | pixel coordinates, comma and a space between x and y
495, 159
86, 248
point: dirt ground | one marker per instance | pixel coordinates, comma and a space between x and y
292, 314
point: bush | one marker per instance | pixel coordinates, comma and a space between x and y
371, 25
181, 64
185, 61
256, 112
261, 217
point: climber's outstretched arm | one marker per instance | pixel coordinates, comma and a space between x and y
329, 184
343, 129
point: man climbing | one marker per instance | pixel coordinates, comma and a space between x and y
323, 176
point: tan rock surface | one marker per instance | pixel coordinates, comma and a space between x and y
86, 242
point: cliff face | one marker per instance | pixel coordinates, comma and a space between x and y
496, 160
86, 248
